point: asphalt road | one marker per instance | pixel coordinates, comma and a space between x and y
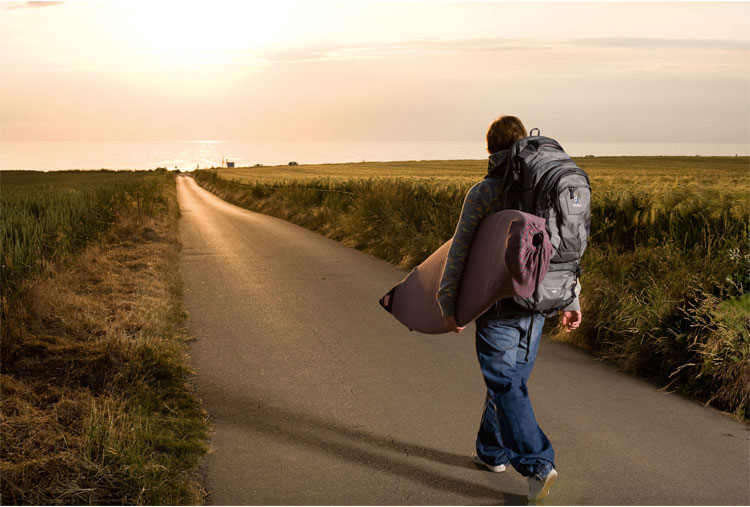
318, 396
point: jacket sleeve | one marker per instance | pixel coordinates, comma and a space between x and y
476, 206
575, 304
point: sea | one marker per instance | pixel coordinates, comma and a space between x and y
190, 155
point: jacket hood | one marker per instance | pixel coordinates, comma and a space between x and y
497, 164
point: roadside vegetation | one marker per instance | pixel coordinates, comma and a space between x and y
96, 404
49, 215
666, 276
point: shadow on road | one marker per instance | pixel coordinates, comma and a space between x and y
356, 445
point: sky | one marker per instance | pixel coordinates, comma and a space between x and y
373, 71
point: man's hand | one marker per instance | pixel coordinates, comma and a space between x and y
450, 324
571, 320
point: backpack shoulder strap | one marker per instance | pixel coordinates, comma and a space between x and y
508, 176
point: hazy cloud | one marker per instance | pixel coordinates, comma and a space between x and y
643, 43
312, 52
343, 51
24, 5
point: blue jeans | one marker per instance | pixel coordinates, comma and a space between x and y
509, 431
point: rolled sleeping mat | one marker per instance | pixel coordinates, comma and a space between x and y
509, 254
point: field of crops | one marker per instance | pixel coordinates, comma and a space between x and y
666, 276
666, 172
47, 215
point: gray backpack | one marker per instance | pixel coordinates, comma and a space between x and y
543, 180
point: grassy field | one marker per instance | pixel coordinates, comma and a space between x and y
618, 171
666, 276
46, 216
439, 170
96, 405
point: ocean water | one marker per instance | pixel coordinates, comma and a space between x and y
187, 155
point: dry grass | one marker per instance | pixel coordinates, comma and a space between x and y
48, 215
95, 402
442, 170
607, 173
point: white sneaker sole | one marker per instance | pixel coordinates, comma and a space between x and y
492, 468
548, 483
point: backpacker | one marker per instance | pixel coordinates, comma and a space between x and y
543, 180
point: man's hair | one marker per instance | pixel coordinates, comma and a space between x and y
503, 132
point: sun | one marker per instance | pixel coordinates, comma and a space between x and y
196, 32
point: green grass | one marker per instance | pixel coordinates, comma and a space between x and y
96, 406
46, 216
665, 275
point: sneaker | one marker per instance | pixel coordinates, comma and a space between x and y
539, 489
491, 468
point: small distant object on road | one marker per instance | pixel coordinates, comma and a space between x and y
588, 156
258, 165
293, 163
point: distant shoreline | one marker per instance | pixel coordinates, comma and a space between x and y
367, 162
187, 155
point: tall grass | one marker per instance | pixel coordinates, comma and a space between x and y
96, 406
48, 215
666, 276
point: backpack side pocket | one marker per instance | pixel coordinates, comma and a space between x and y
573, 212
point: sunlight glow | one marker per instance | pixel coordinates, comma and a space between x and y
208, 32
371, 70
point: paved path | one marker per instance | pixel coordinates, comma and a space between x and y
318, 396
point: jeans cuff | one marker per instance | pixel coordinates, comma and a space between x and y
542, 471
495, 460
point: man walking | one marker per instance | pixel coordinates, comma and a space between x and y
507, 335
